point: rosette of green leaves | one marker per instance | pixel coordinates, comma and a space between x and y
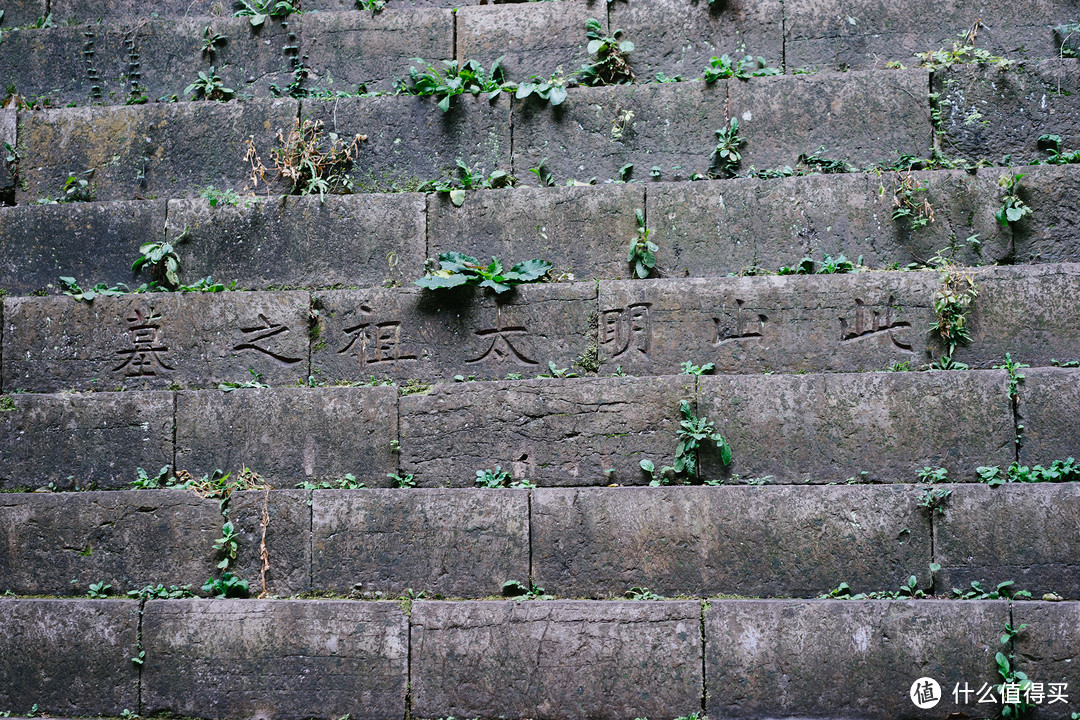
452, 79
459, 269
552, 90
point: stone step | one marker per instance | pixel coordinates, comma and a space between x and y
662, 131
541, 659
782, 429
789, 324
115, 53
709, 228
697, 541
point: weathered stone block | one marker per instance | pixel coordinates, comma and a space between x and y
288, 659
286, 517
409, 140
1048, 410
679, 37
556, 659
840, 34
585, 231
146, 151
532, 38
92, 242
289, 434
988, 112
597, 131
433, 335
834, 323
79, 64
69, 657
771, 541
1028, 311
350, 49
170, 54
84, 441
1052, 232
727, 226
828, 428
23, 12
92, 9
822, 658
365, 240
128, 539
1047, 652
460, 543
860, 116
154, 340
586, 431
978, 538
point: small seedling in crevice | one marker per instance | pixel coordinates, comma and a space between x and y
933, 499
467, 179
543, 174
77, 188
554, 371
693, 431
1052, 144
1012, 367
211, 40
349, 482
162, 261
99, 590
743, 68
209, 86
227, 545
68, 286
1019, 705
642, 253
149, 592
372, 6
910, 203
251, 384
517, 589
260, 10
227, 586
404, 480
641, 593
215, 197
499, 478
552, 90
1012, 209
459, 269
611, 65
830, 265
145, 481
726, 157
1004, 590
933, 475
1059, 471
689, 368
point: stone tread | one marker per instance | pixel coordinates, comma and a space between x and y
489, 659
773, 541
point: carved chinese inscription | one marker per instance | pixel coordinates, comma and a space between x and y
626, 330
259, 339
501, 341
871, 321
375, 342
746, 326
144, 357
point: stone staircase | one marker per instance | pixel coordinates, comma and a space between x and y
357, 415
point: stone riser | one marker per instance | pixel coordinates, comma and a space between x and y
783, 429
709, 228
161, 56
541, 659
780, 541
823, 323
